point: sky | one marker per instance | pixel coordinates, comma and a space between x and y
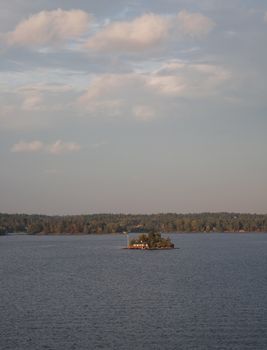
133, 106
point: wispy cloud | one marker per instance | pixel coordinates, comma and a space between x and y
148, 91
193, 24
34, 106
60, 147
144, 112
36, 146
28, 147
32, 102
99, 144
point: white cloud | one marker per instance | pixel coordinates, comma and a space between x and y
136, 35
60, 147
111, 94
35, 106
265, 16
148, 31
49, 27
29, 147
133, 94
171, 85
32, 102
190, 79
215, 73
144, 113
56, 148
193, 24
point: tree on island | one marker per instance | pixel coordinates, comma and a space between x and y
152, 240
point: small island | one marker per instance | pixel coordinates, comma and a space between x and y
150, 241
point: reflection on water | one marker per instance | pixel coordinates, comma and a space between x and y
85, 292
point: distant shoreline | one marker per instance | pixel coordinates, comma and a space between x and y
131, 233
119, 223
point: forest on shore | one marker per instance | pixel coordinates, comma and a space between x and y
118, 223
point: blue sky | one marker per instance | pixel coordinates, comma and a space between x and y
133, 106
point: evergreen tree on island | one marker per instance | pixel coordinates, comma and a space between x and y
152, 240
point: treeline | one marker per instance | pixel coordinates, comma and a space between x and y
118, 223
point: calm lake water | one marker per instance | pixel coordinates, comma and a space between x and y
85, 292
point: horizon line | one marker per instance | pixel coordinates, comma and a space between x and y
137, 214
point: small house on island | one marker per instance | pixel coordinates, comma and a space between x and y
139, 246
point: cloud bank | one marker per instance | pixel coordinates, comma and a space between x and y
149, 31
50, 28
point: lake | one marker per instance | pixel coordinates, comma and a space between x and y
85, 292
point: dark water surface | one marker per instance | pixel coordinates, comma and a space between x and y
85, 292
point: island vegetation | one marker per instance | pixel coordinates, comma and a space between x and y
152, 240
118, 223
